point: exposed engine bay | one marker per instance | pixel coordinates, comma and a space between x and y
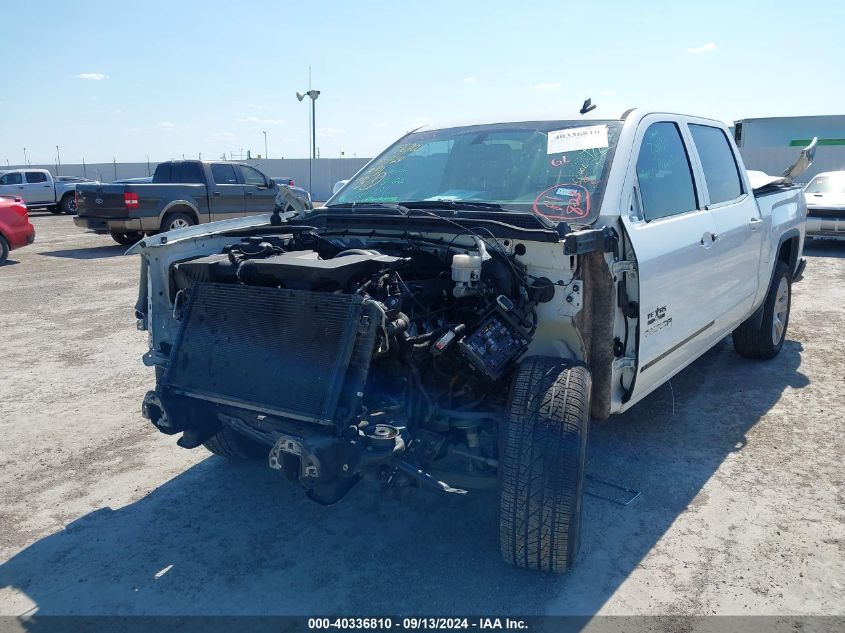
349, 357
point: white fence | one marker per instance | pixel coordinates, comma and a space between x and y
324, 171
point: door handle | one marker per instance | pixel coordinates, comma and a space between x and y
708, 238
249, 193
215, 193
754, 223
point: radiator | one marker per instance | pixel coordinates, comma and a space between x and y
277, 351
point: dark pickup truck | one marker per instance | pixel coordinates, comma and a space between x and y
182, 193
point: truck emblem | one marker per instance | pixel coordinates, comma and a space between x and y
98, 200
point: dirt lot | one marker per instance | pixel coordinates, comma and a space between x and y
739, 464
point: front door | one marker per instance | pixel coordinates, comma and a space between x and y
673, 236
226, 193
38, 189
259, 196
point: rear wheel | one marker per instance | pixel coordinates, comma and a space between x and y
173, 221
68, 204
231, 444
762, 335
4, 250
543, 450
127, 238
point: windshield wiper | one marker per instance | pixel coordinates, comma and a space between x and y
457, 205
371, 205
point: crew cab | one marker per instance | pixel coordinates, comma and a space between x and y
826, 205
462, 308
182, 193
38, 188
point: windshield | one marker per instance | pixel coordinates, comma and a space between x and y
834, 183
554, 168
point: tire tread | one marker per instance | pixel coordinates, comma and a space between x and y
542, 464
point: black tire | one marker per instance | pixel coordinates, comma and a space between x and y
173, 221
231, 444
68, 204
541, 470
128, 238
4, 250
760, 337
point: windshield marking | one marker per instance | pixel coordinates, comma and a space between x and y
577, 138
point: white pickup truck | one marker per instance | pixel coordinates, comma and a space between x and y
38, 188
461, 309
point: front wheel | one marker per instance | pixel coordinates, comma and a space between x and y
543, 448
762, 335
127, 238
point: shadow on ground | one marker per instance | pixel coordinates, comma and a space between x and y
824, 248
10, 262
94, 252
225, 538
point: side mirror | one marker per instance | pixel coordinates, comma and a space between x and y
340, 184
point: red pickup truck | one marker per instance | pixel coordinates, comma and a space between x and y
15, 229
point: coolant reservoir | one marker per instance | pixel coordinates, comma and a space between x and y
466, 268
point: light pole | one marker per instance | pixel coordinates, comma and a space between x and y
313, 94
265, 144
58, 160
25, 161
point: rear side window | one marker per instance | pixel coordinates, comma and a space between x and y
224, 174
11, 179
36, 176
664, 173
720, 170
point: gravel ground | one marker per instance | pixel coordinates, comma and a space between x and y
739, 464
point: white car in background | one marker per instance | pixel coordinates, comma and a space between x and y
825, 196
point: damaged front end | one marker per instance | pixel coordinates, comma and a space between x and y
344, 359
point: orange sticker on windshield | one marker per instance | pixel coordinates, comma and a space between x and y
563, 202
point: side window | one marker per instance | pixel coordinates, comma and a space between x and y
224, 174
162, 173
253, 176
664, 173
720, 170
13, 178
33, 177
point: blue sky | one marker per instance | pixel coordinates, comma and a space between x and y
126, 80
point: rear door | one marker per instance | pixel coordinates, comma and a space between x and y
739, 226
225, 192
673, 238
11, 184
38, 188
259, 196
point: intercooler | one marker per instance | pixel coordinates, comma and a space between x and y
295, 354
